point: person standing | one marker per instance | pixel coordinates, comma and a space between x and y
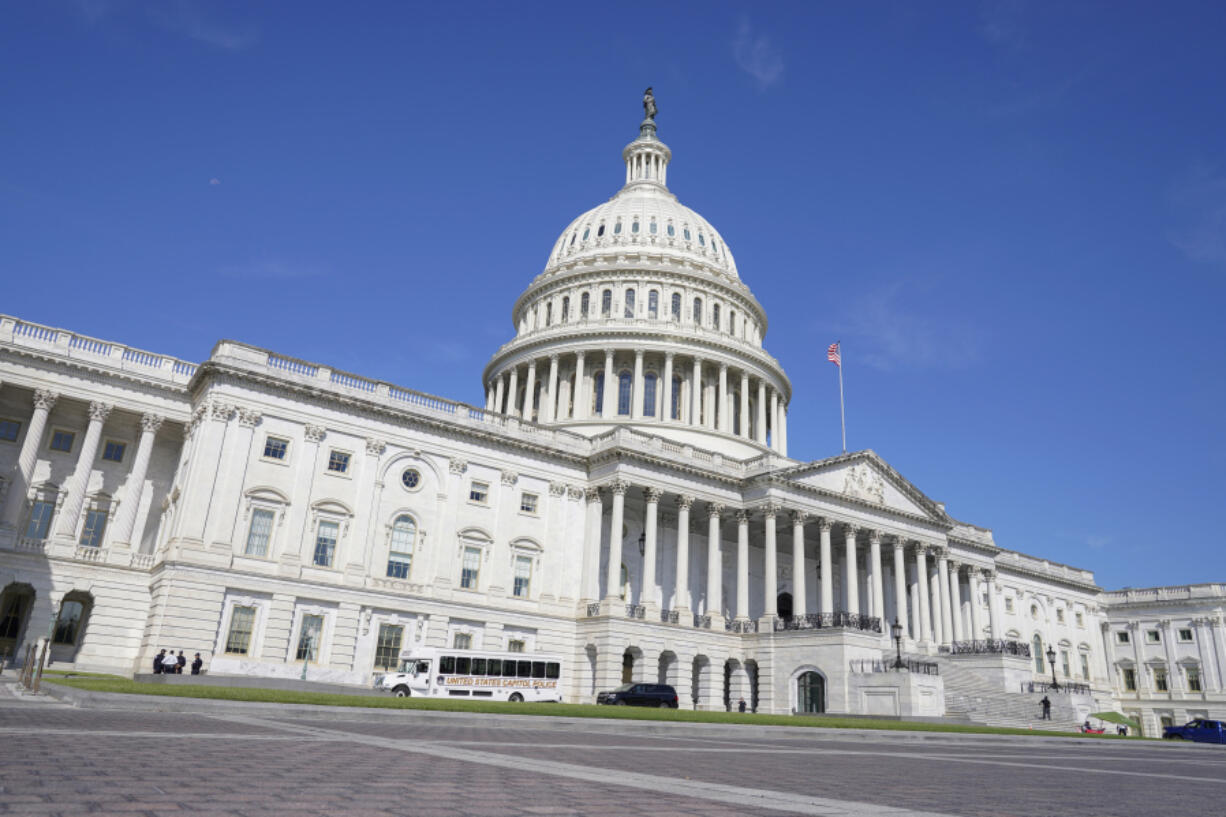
1046, 702
197, 664
180, 663
157, 662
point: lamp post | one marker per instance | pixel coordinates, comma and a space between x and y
1051, 659
896, 632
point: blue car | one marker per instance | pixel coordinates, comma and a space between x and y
1200, 730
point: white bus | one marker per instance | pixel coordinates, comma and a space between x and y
498, 676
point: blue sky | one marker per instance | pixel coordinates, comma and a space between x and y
1012, 214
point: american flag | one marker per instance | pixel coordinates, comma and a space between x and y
832, 354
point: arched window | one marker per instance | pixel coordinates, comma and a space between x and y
701, 241
585, 303
598, 393
573, 236
600, 231
629, 304
676, 306
671, 231
1037, 651
586, 232
617, 228
715, 316
69, 623
653, 226
649, 396
606, 303
675, 409
400, 547
811, 693
565, 308
698, 311
625, 385
686, 233
653, 304
634, 227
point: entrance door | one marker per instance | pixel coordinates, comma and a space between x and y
627, 667
811, 693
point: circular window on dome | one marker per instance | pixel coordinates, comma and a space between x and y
411, 479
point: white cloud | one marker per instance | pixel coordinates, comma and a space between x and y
756, 56
1198, 200
214, 181
186, 17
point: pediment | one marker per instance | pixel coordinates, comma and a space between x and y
864, 477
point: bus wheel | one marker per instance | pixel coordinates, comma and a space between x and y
401, 691
516, 698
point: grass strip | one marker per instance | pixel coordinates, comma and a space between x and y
114, 684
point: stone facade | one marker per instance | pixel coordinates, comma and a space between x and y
624, 498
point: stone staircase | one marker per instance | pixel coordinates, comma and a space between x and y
970, 697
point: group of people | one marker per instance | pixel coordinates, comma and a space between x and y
171, 664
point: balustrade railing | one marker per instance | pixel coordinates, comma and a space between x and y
840, 619
670, 616
636, 611
593, 609
747, 626
869, 665
1069, 688
989, 646
702, 622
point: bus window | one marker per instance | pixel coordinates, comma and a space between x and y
446, 665
462, 665
422, 668
538, 669
478, 666
494, 667
553, 670
523, 669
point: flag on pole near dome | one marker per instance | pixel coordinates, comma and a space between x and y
832, 354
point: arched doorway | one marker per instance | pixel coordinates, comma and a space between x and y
15, 604
811, 693
70, 625
784, 605
627, 667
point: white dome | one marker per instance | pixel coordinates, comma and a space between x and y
644, 214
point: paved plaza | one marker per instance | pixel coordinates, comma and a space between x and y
252, 761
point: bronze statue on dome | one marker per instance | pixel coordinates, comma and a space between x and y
649, 105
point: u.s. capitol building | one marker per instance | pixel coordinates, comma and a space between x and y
625, 498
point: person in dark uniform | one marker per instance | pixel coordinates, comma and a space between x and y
157, 662
180, 663
1046, 702
197, 664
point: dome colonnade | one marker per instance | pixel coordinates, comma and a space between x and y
640, 316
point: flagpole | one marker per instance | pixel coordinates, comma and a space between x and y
842, 411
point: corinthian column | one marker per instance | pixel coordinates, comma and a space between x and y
715, 564
549, 409
636, 394
608, 408
742, 565
955, 599
513, 393
923, 630
651, 496
943, 583
770, 587
696, 395
989, 579
78, 483
874, 561
681, 591
826, 602
900, 584
613, 575
798, 563
530, 391
26, 460
852, 577
125, 520
725, 416
667, 412
743, 431
582, 399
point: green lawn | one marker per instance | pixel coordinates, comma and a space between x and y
106, 683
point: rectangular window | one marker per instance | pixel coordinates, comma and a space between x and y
1008, 605
653, 304
242, 622
275, 448
478, 492
629, 305
676, 304
462, 641
9, 429
1193, 679
1122, 637
527, 502
1130, 680
1153, 637
308, 639
1085, 666
260, 532
606, 303
62, 440
387, 648
549, 314
338, 462
1059, 616
1081, 620
523, 576
95, 526
40, 519
470, 572
516, 645
1160, 680
1064, 663
715, 316
585, 301
113, 451
1185, 635
325, 543
698, 311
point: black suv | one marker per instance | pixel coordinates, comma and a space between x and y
661, 695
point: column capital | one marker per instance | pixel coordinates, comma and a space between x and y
618, 487
375, 446
217, 410
825, 524
989, 575
557, 489
532, 365
638, 354
723, 367
45, 399
574, 492
99, 411
874, 536
248, 417
579, 354
938, 551
591, 494
669, 355
684, 502
313, 433
801, 517
850, 530
900, 542
742, 517
715, 510
770, 508
652, 494
553, 358
457, 466
151, 422
509, 477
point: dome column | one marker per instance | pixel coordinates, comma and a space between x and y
529, 391
681, 593
696, 395
608, 407
744, 429
774, 420
499, 388
783, 430
513, 393
549, 410
761, 435
667, 413
725, 416
636, 394
581, 399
